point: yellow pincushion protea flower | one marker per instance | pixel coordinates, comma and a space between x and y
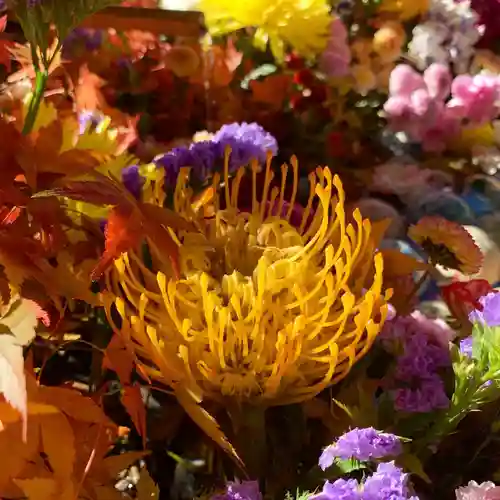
447, 244
302, 24
263, 312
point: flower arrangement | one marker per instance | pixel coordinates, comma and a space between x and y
262, 264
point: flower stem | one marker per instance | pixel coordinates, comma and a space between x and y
249, 424
36, 100
415, 289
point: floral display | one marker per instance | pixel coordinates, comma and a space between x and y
250, 250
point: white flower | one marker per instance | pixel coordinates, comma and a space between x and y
474, 491
448, 36
427, 44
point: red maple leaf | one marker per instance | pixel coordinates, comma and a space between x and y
5, 45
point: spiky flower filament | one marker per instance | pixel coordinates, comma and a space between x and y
264, 311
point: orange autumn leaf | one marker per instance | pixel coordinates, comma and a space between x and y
397, 263
120, 359
5, 55
41, 155
123, 232
134, 404
4, 286
220, 74
74, 405
88, 95
22, 54
66, 454
50, 431
272, 90
39, 488
58, 442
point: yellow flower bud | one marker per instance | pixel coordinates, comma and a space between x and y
364, 78
362, 50
388, 40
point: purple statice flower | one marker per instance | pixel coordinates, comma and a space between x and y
490, 315
254, 139
201, 157
417, 324
89, 39
361, 444
422, 349
466, 346
388, 482
133, 180
421, 355
88, 119
245, 490
341, 489
421, 394
247, 141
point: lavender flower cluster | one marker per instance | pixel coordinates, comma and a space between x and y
421, 347
247, 141
361, 444
387, 482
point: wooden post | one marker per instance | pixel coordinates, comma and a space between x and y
157, 21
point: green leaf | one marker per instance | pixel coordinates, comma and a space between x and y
257, 74
299, 495
348, 466
412, 464
343, 407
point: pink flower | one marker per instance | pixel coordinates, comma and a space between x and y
476, 97
438, 81
474, 491
336, 58
416, 105
404, 80
408, 180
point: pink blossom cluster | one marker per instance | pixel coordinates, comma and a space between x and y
336, 58
432, 108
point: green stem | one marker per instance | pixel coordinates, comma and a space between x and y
42, 69
249, 428
34, 106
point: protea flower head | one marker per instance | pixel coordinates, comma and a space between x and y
263, 312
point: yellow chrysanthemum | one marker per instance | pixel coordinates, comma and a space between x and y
263, 312
447, 244
302, 24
